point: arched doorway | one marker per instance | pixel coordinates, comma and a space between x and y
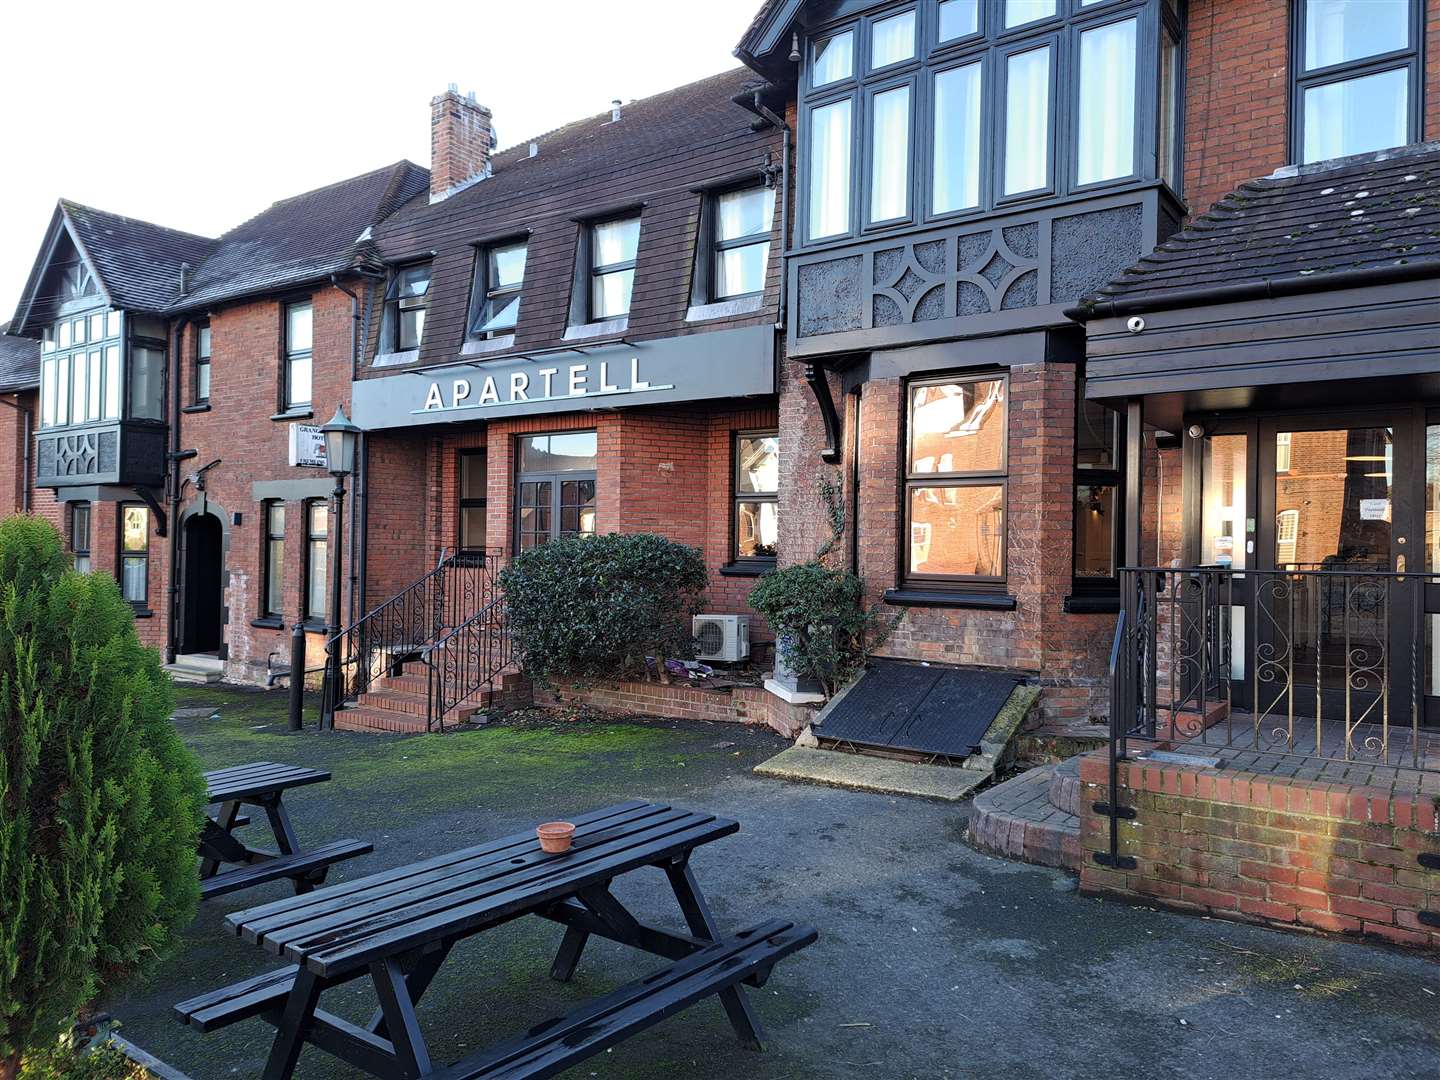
204, 540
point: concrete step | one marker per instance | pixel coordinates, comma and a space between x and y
1065, 786
196, 670
1016, 819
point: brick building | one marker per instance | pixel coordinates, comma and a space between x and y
181, 378
577, 335
19, 404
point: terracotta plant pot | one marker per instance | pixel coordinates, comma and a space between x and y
556, 836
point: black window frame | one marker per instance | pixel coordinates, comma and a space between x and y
290, 357
272, 572
203, 355
1092, 476
307, 615
471, 503
124, 556
555, 479
990, 45
395, 304
482, 292
970, 478
81, 538
738, 497
707, 263
592, 271
1411, 59
55, 358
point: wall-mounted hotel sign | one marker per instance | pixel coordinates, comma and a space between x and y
720, 364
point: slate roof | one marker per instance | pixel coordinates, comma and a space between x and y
138, 262
1301, 225
303, 238
751, 40
19, 362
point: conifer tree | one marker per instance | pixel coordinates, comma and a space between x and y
100, 801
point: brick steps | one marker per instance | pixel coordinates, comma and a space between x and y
398, 704
1031, 817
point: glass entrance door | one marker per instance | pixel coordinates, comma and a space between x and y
1337, 519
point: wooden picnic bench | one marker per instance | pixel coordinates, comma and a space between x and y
262, 784
398, 927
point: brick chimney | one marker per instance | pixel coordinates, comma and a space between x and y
462, 139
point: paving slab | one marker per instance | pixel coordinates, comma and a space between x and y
865, 773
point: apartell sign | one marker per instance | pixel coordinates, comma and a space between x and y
721, 364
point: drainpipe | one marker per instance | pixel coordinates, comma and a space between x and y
754, 103
173, 495
25, 451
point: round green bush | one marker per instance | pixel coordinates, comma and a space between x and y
100, 802
596, 606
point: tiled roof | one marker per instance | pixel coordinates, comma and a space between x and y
1378, 212
304, 238
19, 362
750, 41
570, 156
138, 262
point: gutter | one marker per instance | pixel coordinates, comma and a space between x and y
25, 452
1265, 289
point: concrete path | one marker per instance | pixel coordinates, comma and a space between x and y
934, 960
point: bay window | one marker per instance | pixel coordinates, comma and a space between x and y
81, 375
1357, 76
947, 107
555, 487
955, 480
1097, 503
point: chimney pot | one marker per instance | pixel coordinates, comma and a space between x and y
462, 143
615, 107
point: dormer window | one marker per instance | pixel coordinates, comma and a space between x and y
613, 247
742, 241
499, 278
405, 304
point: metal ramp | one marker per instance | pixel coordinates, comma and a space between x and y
934, 713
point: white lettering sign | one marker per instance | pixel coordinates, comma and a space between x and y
307, 446
576, 383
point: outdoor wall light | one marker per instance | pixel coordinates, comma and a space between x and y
340, 438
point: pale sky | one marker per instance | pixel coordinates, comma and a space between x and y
198, 115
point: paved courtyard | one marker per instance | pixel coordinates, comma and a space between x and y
933, 960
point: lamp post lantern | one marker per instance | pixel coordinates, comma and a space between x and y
341, 436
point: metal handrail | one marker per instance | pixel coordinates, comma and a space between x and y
471, 656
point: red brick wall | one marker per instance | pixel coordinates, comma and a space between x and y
1432, 70
1272, 849
660, 470
740, 704
12, 462
238, 431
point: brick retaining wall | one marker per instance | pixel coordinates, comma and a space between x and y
736, 705
1274, 849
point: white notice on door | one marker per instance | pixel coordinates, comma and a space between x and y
1374, 509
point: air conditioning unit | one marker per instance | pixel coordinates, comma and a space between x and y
721, 637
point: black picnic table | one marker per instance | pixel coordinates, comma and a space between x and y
262, 784
398, 927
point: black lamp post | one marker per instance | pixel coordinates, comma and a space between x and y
340, 438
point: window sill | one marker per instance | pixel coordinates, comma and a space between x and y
587, 331
198, 407
486, 346
748, 568
269, 623
313, 627
396, 359
1091, 605
722, 309
988, 601
142, 612
295, 414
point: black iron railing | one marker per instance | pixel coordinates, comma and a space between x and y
1325, 663
467, 661
409, 623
